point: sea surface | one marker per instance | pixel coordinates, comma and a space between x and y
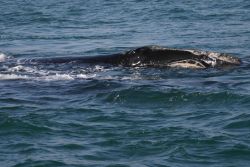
71, 115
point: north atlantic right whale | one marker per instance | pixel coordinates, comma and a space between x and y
155, 56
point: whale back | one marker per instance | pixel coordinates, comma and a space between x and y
154, 56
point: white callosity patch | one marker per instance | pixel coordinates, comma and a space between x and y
211, 56
215, 58
187, 64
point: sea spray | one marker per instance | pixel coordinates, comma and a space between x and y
2, 57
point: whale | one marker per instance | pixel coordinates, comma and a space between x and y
156, 56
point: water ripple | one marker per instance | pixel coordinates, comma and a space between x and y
78, 115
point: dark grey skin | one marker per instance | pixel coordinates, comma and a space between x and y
156, 56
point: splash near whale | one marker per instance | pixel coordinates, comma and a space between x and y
155, 56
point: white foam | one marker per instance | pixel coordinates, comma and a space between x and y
20, 72
99, 68
20, 68
56, 77
65, 77
2, 57
13, 77
84, 76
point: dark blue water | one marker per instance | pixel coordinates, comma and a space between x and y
74, 115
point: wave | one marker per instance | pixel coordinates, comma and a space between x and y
21, 72
54, 77
12, 77
172, 97
29, 162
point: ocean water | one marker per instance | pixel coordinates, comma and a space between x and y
74, 115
